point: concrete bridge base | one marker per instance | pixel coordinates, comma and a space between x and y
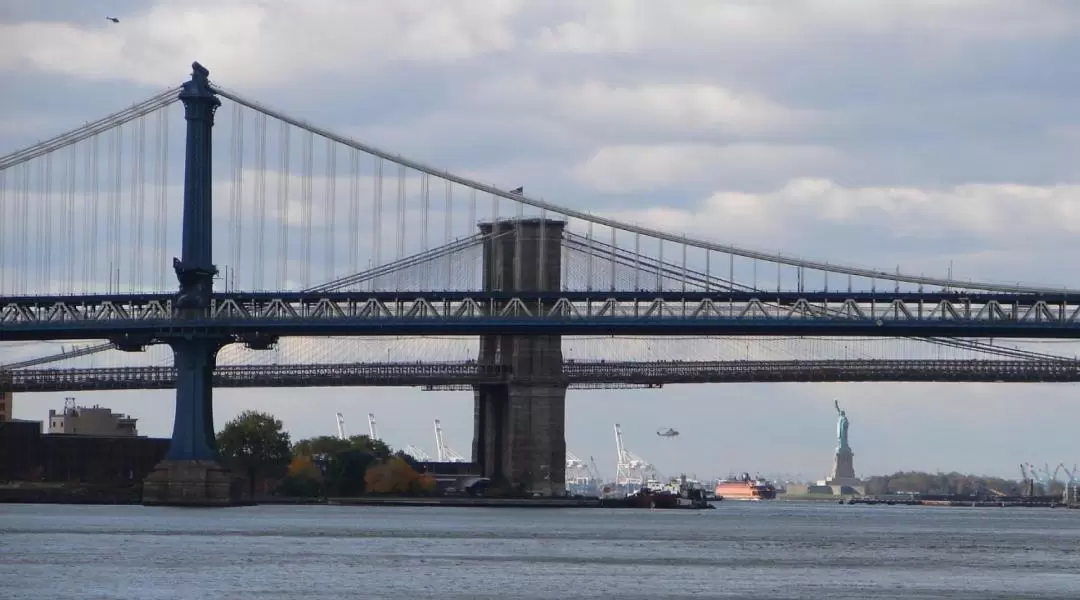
520, 437
191, 483
519, 427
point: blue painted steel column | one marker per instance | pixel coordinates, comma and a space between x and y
196, 269
193, 427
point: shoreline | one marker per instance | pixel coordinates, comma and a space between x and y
466, 502
105, 496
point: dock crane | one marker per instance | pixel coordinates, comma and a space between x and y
341, 426
374, 433
443, 452
595, 470
417, 453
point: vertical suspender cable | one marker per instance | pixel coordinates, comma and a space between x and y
611, 259
45, 216
376, 222
137, 280
283, 206
260, 202
354, 211
69, 216
117, 195
7, 268
306, 202
659, 268
90, 245
448, 211
400, 223
162, 228
425, 207
470, 276
637, 262
519, 233
237, 197
541, 252
330, 216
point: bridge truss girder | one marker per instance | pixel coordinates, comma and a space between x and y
588, 375
150, 317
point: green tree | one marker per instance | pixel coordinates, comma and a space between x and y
256, 442
303, 478
941, 483
376, 448
345, 461
327, 445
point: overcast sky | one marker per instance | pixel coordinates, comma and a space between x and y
878, 133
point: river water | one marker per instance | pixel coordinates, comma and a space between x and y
766, 550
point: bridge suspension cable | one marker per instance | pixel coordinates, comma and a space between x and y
590, 260
139, 109
521, 198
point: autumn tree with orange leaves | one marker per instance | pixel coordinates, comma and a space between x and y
395, 476
303, 467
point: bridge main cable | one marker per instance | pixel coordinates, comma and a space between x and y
74, 136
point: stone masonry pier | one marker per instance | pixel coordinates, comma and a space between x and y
519, 427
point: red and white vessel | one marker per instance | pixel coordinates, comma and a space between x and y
745, 488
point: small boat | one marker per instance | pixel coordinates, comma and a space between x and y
685, 497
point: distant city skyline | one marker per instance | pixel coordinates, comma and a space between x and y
877, 135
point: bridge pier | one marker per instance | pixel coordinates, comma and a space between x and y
519, 427
190, 474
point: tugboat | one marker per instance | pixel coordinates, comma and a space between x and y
684, 496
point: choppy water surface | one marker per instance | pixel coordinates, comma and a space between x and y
741, 550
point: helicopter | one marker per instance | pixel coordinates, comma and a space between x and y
113, 19
669, 432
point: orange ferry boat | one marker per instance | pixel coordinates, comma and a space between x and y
745, 488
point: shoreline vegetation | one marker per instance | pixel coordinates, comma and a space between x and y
362, 471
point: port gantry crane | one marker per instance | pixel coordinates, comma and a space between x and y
413, 451
443, 452
372, 430
630, 469
341, 426
582, 477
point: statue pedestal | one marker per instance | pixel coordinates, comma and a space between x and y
190, 483
843, 465
842, 479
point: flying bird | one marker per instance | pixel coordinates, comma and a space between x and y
113, 19
669, 432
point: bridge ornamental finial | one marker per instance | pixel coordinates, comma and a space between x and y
199, 85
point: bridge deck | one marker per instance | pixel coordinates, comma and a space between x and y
152, 316
575, 374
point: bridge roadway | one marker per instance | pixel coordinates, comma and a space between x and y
134, 319
575, 374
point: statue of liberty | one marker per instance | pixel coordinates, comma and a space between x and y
841, 427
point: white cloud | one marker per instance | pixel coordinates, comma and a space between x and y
628, 26
643, 168
1003, 230
249, 43
668, 109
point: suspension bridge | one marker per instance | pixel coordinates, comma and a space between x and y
326, 244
